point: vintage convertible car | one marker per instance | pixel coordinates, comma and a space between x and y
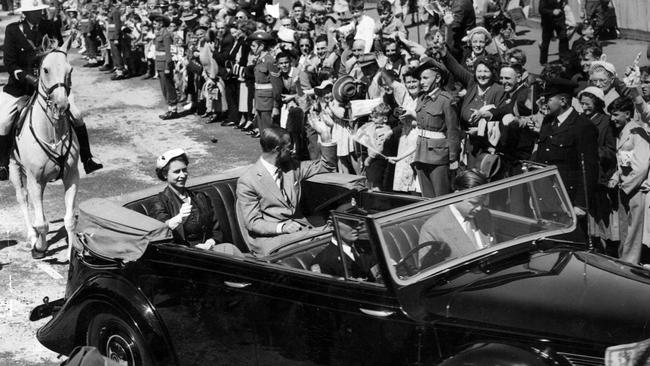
521, 296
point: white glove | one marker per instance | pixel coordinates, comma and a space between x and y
174, 222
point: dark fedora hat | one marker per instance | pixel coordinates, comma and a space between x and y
559, 86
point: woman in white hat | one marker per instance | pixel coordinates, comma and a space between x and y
188, 213
592, 103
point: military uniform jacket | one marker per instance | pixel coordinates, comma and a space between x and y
114, 24
21, 46
268, 85
435, 113
163, 41
563, 145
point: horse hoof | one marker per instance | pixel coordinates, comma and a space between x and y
4, 173
38, 254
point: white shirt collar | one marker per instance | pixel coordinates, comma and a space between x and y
562, 117
272, 169
347, 249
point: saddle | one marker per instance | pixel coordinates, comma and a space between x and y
21, 115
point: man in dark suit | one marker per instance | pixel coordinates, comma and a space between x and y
22, 44
226, 54
553, 21
359, 261
269, 193
565, 139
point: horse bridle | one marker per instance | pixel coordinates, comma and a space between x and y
48, 91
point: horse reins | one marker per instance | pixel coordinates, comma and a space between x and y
58, 159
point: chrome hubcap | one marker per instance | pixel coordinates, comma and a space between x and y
118, 349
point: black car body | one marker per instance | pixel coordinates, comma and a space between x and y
527, 299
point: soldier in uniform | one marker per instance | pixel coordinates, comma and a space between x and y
164, 64
565, 139
90, 30
268, 85
115, 39
20, 50
438, 145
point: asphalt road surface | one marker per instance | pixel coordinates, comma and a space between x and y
127, 135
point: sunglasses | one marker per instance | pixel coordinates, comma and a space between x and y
304, 46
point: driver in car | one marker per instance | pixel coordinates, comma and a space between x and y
359, 260
460, 228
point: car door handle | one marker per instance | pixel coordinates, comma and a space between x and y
236, 284
377, 313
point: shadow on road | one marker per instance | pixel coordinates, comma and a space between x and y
7, 243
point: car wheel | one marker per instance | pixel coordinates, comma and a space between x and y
117, 340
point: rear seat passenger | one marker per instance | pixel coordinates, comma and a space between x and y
223, 197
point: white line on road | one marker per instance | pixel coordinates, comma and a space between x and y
49, 270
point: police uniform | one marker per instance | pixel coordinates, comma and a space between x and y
267, 84
22, 44
89, 28
115, 38
162, 42
438, 142
563, 145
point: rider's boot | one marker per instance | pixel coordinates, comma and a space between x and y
90, 165
5, 147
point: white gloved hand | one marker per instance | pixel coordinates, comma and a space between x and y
185, 211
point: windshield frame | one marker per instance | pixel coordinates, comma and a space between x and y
416, 209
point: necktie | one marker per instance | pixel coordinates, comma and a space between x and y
556, 123
279, 177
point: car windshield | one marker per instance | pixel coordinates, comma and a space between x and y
449, 231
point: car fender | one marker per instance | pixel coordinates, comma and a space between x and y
111, 294
502, 354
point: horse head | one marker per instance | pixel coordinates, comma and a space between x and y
55, 76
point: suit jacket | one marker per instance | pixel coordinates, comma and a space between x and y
261, 205
454, 242
168, 205
546, 8
563, 147
464, 20
329, 262
606, 147
20, 49
516, 142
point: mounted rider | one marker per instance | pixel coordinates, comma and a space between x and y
21, 47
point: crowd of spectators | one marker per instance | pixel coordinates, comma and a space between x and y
407, 114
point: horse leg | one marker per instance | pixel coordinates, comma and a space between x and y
41, 225
70, 183
18, 180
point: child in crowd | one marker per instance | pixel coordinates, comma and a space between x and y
631, 178
405, 179
376, 163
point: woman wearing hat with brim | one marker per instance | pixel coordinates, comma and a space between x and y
268, 85
592, 102
189, 214
477, 40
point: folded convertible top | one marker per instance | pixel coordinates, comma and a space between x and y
111, 231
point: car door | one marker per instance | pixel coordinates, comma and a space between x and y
204, 310
303, 317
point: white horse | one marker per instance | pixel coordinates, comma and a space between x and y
45, 147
